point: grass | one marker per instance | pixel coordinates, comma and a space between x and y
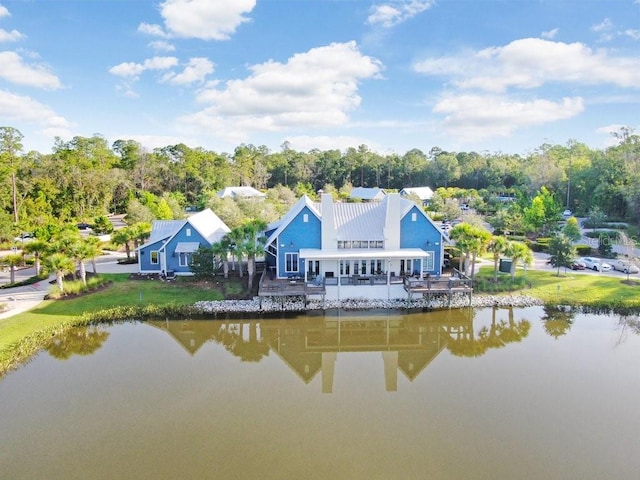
576, 289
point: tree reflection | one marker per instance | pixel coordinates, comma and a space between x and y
496, 336
231, 336
557, 320
628, 324
77, 341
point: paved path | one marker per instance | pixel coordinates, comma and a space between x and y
21, 299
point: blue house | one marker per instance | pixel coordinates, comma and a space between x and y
172, 242
350, 245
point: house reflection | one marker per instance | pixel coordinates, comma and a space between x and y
310, 344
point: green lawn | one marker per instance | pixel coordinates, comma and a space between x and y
577, 289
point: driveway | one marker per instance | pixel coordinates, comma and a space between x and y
21, 299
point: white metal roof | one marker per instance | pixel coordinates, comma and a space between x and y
161, 229
187, 247
234, 192
423, 193
209, 225
367, 193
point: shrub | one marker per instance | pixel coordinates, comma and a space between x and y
583, 250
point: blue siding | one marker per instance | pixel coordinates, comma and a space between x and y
421, 234
181, 236
297, 235
144, 258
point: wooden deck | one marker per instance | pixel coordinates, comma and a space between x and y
454, 283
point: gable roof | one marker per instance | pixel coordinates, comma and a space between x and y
280, 225
365, 193
235, 192
209, 225
206, 223
161, 229
353, 221
423, 193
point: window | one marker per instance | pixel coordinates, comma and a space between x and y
345, 267
414, 217
305, 218
184, 259
154, 257
428, 264
188, 232
291, 262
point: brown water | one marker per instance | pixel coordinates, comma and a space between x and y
490, 394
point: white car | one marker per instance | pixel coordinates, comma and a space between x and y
595, 264
622, 265
567, 213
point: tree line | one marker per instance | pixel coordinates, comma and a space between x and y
86, 178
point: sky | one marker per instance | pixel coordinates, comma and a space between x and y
461, 75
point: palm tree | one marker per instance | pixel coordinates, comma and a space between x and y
13, 261
93, 245
61, 265
472, 241
236, 239
123, 237
37, 248
253, 245
497, 246
221, 252
80, 252
518, 251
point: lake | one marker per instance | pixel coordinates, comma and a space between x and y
457, 394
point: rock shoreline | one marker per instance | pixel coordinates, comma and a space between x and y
299, 305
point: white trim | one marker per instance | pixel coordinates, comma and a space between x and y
361, 253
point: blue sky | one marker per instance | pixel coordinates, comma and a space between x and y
482, 75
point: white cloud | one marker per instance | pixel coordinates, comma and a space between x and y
391, 14
603, 26
532, 62
132, 70
18, 108
550, 34
12, 36
162, 46
316, 88
475, 117
14, 70
632, 33
152, 29
203, 19
195, 71
4, 12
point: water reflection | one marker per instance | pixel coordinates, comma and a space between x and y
557, 320
78, 341
309, 345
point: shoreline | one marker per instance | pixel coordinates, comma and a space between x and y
270, 306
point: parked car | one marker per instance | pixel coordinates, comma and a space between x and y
596, 264
578, 265
624, 265
23, 236
567, 213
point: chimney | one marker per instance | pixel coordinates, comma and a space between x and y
392, 222
329, 237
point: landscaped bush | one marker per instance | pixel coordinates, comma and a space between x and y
583, 250
541, 244
76, 287
484, 283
